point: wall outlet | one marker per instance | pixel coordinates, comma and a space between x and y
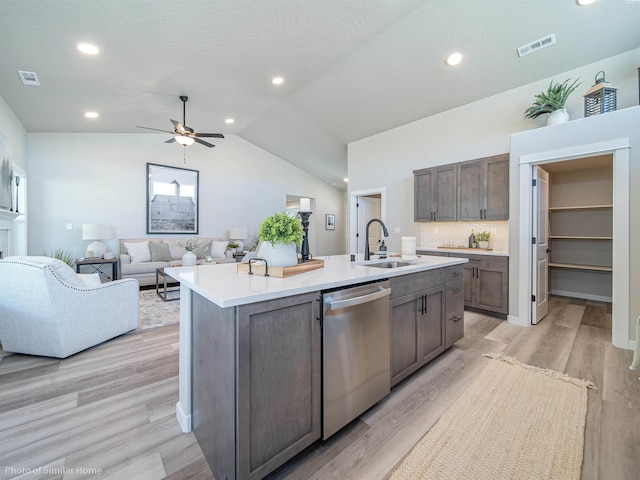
69, 226
397, 229
494, 230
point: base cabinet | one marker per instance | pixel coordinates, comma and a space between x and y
257, 383
427, 317
486, 282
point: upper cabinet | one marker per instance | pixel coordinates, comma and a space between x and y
435, 194
473, 190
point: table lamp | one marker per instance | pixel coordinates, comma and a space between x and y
238, 235
96, 232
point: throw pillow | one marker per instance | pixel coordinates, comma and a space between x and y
90, 279
159, 252
139, 251
176, 251
66, 273
204, 249
218, 248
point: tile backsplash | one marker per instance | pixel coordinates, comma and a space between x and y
439, 234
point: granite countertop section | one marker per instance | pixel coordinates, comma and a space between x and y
224, 286
470, 251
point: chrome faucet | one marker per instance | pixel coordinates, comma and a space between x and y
366, 240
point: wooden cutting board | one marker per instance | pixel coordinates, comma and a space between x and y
281, 272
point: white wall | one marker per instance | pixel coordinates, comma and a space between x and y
476, 130
101, 178
15, 135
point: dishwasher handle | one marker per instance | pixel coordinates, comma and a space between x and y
350, 302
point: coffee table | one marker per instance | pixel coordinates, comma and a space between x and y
168, 292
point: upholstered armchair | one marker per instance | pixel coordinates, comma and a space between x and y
47, 309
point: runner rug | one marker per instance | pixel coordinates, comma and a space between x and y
515, 421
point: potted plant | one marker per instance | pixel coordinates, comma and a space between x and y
483, 239
66, 256
233, 246
552, 101
280, 234
189, 244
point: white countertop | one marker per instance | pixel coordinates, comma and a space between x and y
224, 286
469, 251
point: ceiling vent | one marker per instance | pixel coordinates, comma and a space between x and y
29, 78
537, 45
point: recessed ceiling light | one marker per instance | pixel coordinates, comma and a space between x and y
586, 2
88, 48
277, 80
91, 114
229, 120
454, 59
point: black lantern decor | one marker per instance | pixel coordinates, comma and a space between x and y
600, 98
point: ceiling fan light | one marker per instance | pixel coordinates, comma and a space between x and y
184, 140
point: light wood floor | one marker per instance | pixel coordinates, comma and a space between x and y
111, 409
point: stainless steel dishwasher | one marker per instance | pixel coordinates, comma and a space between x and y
355, 352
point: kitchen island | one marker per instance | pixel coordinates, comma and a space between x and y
250, 351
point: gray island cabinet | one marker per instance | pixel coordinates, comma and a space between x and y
250, 351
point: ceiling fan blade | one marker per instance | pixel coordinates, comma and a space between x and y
171, 140
175, 122
156, 129
212, 135
202, 142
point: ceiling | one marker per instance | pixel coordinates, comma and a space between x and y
352, 68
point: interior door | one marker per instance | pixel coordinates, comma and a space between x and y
369, 207
540, 280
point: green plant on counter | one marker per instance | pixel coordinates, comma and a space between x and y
553, 99
281, 228
66, 256
233, 245
483, 236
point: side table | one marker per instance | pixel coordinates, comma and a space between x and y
96, 263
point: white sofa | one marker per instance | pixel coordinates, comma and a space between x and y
47, 309
140, 257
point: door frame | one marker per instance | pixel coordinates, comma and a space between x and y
619, 149
353, 218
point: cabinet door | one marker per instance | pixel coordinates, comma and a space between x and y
431, 310
423, 196
279, 393
404, 336
492, 285
497, 189
445, 193
471, 190
469, 276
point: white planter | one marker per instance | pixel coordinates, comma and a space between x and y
280, 255
188, 259
483, 244
559, 116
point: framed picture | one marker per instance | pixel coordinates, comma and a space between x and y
330, 221
172, 199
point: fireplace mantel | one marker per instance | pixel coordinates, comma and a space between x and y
8, 215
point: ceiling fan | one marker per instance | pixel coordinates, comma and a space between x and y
184, 135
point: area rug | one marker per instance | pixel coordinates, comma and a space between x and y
515, 421
153, 312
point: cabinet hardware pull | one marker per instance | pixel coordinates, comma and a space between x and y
456, 290
485, 213
456, 319
481, 214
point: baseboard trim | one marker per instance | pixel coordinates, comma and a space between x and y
183, 419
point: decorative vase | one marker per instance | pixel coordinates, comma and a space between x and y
558, 116
278, 255
188, 259
483, 244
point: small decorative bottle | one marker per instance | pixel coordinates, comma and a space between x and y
383, 250
472, 240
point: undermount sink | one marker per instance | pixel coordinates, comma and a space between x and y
390, 264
